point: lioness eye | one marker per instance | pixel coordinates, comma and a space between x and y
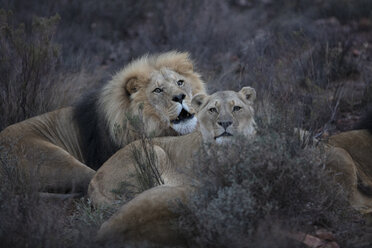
157, 90
213, 110
236, 108
180, 82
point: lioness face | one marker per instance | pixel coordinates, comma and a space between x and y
170, 95
226, 114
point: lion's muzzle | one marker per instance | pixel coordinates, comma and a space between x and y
183, 116
224, 134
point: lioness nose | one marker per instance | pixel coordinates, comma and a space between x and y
224, 124
179, 98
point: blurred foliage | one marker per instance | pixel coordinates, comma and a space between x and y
26, 61
301, 56
249, 194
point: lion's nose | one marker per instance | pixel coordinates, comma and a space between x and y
225, 124
179, 98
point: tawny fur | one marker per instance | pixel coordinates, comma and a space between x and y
56, 149
45, 151
126, 90
349, 158
148, 216
349, 155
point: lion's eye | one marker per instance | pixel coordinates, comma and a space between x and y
213, 110
180, 82
236, 108
158, 90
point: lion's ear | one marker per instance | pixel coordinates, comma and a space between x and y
131, 86
198, 101
248, 94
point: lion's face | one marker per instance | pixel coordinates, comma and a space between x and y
226, 114
169, 94
157, 88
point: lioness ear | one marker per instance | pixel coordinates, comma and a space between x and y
248, 94
131, 86
198, 101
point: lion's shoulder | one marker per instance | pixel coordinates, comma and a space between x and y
46, 124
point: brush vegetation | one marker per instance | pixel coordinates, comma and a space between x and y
309, 62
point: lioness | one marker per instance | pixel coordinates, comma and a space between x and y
349, 155
349, 158
221, 117
61, 149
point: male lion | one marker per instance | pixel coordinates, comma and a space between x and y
221, 116
61, 149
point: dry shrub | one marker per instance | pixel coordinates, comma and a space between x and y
296, 66
26, 61
91, 31
147, 174
32, 81
251, 193
32, 220
28, 221
302, 66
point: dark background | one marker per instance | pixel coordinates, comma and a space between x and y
310, 62
312, 55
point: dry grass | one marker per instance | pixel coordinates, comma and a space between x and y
302, 68
251, 192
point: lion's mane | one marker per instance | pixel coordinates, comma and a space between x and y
100, 112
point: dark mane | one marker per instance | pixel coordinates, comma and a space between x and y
97, 145
366, 122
